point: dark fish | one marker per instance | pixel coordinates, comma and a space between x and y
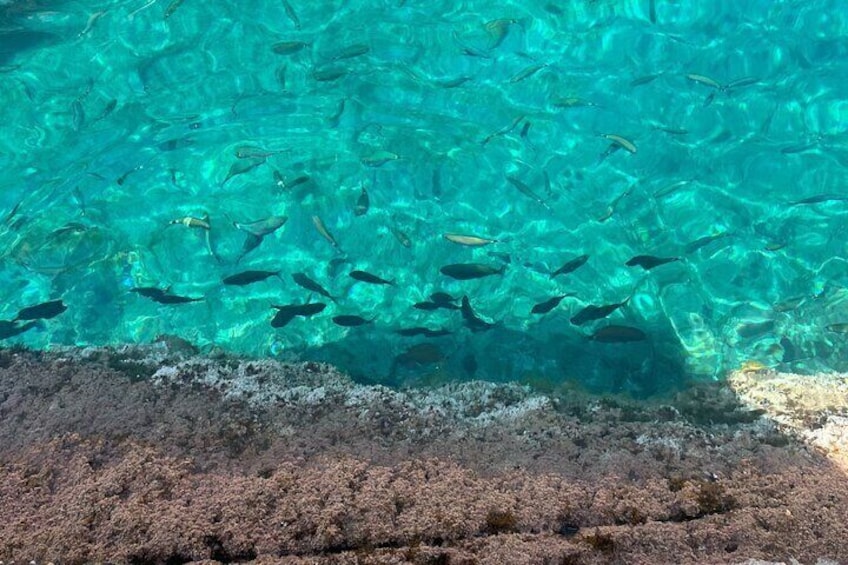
548, 305
612, 148
11, 329
8, 219
108, 109
368, 278
77, 115
792, 149
789, 304
172, 7
292, 15
252, 152
280, 75
362, 203
336, 118
256, 231
349, 321
819, 198
593, 312
671, 130
351, 51
644, 80
89, 82
401, 237
618, 334
571, 266
436, 184
308, 309
548, 188
288, 47
442, 298
163, 296
335, 264
841, 328
614, 204
648, 262
304, 281
703, 241
421, 354
69, 228
379, 158
242, 166
426, 332
328, 74
754, 328
652, 11
412, 332
261, 228
283, 184
766, 125
452, 82
249, 277
286, 313
43, 311
525, 73
251, 242
474, 322
527, 191
573, 102
174, 144
497, 30
325, 233
671, 188
503, 130
740, 82
469, 50
28, 90
467, 271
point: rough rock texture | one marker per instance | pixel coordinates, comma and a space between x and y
814, 408
143, 455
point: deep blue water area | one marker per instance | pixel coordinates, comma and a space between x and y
625, 195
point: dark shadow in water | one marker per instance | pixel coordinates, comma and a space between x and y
544, 359
15, 41
15, 37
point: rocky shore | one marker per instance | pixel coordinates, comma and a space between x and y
150, 455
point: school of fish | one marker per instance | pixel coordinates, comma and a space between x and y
572, 190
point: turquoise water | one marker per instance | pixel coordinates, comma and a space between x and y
710, 133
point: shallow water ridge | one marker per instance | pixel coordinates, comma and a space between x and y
625, 194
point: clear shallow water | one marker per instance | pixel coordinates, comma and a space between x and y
121, 117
